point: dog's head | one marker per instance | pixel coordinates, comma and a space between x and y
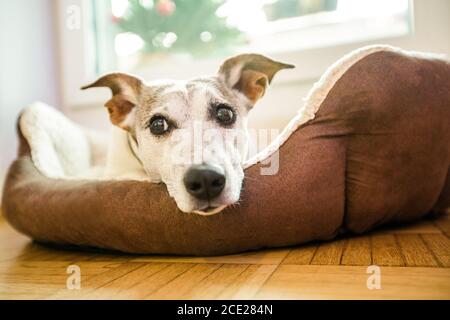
192, 135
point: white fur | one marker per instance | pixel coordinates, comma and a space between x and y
121, 164
234, 75
168, 158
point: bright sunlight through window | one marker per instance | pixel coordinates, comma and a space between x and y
142, 33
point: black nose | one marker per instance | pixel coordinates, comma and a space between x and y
204, 182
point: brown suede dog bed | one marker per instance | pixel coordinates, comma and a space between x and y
370, 146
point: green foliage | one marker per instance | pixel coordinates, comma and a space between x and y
199, 31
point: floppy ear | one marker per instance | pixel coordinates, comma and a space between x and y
125, 89
250, 74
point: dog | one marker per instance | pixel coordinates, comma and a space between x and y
190, 135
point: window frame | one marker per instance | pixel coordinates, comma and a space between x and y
75, 48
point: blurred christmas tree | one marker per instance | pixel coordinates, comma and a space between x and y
179, 26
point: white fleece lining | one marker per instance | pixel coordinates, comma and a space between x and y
62, 149
58, 148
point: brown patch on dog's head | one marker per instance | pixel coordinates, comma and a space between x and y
125, 89
250, 74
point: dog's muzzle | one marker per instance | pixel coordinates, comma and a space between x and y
204, 182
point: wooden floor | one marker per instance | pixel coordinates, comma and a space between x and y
414, 263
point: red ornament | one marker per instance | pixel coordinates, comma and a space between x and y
166, 7
115, 19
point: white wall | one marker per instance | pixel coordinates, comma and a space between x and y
28, 66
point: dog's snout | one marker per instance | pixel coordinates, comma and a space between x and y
204, 182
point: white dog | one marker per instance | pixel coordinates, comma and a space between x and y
190, 135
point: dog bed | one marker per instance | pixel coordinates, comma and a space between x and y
370, 146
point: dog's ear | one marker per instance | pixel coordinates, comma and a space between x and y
250, 74
125, 89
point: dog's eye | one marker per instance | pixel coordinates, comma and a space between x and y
225, 115
158, 125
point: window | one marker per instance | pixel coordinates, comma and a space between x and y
135, 35
312, 34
